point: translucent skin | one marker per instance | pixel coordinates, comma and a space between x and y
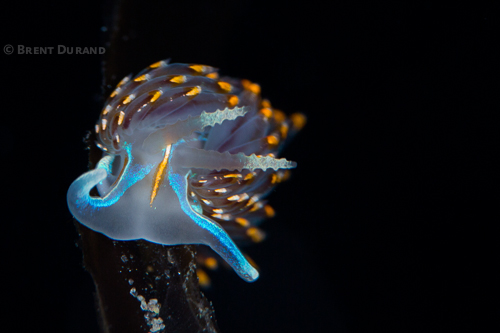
164, 134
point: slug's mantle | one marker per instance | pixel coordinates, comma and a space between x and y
187, 159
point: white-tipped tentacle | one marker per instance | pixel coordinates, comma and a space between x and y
213, 160
170, 134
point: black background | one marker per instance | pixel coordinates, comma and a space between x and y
390, 222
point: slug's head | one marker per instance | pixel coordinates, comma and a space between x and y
187, 159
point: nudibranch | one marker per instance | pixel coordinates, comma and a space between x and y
187, 159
